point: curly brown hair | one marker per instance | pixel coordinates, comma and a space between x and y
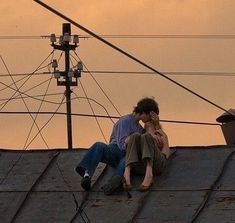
146, 105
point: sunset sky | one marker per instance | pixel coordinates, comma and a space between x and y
119, 17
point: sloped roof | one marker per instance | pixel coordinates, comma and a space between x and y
41, 186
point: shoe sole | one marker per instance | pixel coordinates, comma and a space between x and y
86, 184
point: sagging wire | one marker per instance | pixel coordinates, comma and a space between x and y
36, 97
28, 77
40, 130
171, 73
97, 121
9, 86
105, 116
16, 162
40, 106
19, 96
129, 36
116, 48
23, 100
91, 99
23, 74
46, 144
92, 110
105, 94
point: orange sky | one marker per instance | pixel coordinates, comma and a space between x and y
25, 17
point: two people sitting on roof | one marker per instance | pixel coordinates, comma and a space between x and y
130, 143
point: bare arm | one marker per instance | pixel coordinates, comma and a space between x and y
165, 142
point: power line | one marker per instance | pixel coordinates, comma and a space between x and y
39, 108
23, 93
28, 77
103, 116
127, 36
40, 130
170, 73
34, 96
92, 110
23, 100
105, 94
132, 57
24, 74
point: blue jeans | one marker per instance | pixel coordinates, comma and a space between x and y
109, 154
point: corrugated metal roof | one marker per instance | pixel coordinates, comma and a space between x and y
41, 186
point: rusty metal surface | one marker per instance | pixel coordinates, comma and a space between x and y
193, 169
221, 208
170, 206
175, 196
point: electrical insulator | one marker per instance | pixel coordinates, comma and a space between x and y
56, 74
61, 39
54, 64
77, 73
80, 65
70, 73
75, 39
53, 38
67, 38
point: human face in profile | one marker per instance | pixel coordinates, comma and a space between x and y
145, 117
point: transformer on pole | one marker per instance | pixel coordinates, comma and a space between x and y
68, 77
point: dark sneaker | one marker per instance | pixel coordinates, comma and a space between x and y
80, 170
86, 183
114, 184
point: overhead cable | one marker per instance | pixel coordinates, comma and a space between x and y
131, 56
128, 36
92, 110
27, 79
40, 130
171, 73
23, 100
103, 116
97, 83
39, 108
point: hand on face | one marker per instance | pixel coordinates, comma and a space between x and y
154, 117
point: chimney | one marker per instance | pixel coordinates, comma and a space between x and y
228, 126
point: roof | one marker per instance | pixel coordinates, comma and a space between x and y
42, 186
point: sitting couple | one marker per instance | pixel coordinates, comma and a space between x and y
130, 144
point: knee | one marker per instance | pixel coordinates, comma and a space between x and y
135, 136
99, 146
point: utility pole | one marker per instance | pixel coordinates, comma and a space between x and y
69, 76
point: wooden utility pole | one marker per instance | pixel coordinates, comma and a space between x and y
68, 77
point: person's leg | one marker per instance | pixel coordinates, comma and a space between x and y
152, 153
119, 169
148, 154
148, 178
127, 175
148, 147
133, 149
132, 156
92, 158
99, 152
